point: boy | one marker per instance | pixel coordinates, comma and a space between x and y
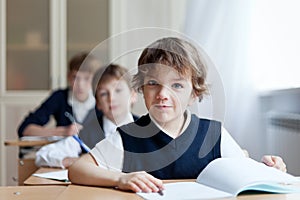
76, 99
114, 98
169, 142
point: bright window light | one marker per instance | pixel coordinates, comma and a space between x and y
275, 44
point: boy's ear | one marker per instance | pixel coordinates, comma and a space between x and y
193, 98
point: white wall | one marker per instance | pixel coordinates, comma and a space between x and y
129, 15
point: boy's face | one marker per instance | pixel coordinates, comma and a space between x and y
81, 84
114, 99
167, 95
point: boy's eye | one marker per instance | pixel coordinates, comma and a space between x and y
73, 78
152, 82
177, 85
103, 94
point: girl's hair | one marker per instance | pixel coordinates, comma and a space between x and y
112, 71
177, 53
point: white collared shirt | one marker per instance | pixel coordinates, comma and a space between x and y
81, 109
109, 127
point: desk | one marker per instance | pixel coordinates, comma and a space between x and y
74, 192
33, 180
31, 193
77, 192
26, 143
26, 166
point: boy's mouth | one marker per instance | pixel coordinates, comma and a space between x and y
162, 106
113, 107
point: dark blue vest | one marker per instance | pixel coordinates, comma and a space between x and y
146, 148
92, 132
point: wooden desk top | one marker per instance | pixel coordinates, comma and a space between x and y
77, 192
31, 193
74, 192
33, 180
30, 141
26, 143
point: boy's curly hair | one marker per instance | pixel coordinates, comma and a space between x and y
177, 53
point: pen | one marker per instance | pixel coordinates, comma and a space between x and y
70, 117
84, 147
160, 192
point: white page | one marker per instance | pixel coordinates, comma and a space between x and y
186, 190
232, 174
61, 175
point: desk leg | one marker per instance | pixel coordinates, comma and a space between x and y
26, 167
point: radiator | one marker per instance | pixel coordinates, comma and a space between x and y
283, 138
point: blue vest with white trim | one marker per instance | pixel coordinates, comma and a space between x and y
146, 148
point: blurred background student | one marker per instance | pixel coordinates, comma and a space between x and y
76, 100
114, 99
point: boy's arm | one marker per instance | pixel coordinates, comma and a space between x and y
103, 166
85, 171
229, 147
38, 130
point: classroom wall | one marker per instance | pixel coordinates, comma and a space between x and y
129, 15
124, 15
281, 125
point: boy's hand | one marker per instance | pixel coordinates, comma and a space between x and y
73, 129
274, 161
68, 161
140, 182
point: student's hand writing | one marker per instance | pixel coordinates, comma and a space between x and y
274, 161
73, 129
140, 182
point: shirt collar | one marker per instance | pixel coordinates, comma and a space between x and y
110, 127
187, 121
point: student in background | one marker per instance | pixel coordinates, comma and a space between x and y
169, 142
77, 100
114, 98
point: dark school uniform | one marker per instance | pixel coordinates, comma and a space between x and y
92, 132
147, 148
55, 105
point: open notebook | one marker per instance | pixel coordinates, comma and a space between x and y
228, 177
61, 175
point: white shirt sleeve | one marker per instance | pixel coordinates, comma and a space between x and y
229, 147
53, 154
108, 153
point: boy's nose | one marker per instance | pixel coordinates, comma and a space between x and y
163, 93
111, 97
80, 83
